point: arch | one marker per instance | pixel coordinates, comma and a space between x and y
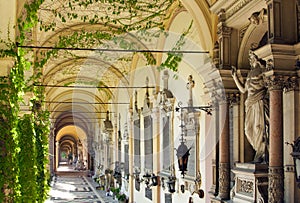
253, 35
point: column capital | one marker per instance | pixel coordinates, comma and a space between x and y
291, 83
234, 98
274, 81
224, 30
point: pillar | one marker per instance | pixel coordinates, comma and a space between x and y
57, 155
224, 157
156, 151
275, 85
131, 156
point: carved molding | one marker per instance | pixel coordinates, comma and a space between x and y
236, 6
289, 168
276, 184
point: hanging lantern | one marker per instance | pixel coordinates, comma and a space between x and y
154, 180
171, 184
183, 156
296, 156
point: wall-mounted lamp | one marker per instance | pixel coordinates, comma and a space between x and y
182, 188
154, 179
183, 154
171, 184
147, 177
136, 176
296, 156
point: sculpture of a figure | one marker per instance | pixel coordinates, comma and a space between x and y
257, 18
256, 106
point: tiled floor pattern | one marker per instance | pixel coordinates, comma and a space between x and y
70, 185
73, 189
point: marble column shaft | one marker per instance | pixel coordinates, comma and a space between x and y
224, 161
276, 144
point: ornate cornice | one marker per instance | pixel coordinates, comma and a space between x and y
235, 7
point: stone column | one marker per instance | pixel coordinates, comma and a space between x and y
57, 155
224, 158
275, 85
131, 156
156, 150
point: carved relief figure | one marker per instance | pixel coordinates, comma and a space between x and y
257, 18
256, 106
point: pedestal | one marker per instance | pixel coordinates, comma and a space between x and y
251, 183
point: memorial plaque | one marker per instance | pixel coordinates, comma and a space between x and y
148, 139
166, 144
168, 198
148, 193
137, 144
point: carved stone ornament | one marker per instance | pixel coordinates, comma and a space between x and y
275, 184
274, 82
224, 187
245, 186
224, 30
291, 83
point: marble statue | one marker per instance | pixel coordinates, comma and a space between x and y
256, 106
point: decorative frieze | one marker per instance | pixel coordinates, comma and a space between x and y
235, 7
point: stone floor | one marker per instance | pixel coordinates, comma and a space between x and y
70, 185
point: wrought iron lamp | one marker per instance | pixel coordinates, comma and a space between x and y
183, 154
154, 180
147, 177
296, 156
182, 151
171, 184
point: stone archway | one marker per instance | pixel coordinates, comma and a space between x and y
71, 147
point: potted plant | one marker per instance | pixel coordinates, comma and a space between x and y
118, 194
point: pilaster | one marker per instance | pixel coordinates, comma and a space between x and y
282, 21
224, 35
